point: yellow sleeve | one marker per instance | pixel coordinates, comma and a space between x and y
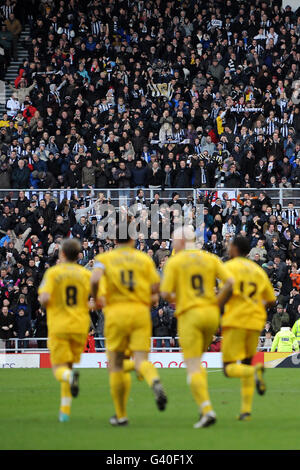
168, 278
102, 290
268, 292
100, 262
152, 273
47, 285
223, 273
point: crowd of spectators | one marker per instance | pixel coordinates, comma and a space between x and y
148, 94
32, 230
153, 93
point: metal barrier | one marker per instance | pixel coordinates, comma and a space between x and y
158, 344
119, 196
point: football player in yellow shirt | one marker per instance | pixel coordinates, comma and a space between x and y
64, 292
189, 279
243, 320
131, 280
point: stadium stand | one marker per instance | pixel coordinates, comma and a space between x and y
153, 102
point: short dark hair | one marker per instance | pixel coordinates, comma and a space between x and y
242, 244
71, 248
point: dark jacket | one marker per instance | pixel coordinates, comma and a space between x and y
20, 178
22, 325
82, 231
161, 324
139, 176
6, 320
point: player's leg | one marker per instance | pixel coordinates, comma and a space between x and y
248, 382
251, 349
61, 355
62, 373
234, 349
128, 364
116, 331
77, 343
139, 343
119, 387
147, 370
195, 332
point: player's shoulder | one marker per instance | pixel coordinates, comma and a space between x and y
144, 257
210, 257
102, 258
57, 268
238, 262
257, 268
82, 270
103, 255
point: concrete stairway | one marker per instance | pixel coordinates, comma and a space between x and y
13, 68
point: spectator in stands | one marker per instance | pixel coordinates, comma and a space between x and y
279, 317
161, 326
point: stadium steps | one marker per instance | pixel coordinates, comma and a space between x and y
13, 68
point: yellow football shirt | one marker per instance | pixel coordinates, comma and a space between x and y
69, 287
251, 289
128, 275
192, 275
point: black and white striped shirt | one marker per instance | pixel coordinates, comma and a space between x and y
291, 216
179, 135
104, 107
77, 146
265, 25
6, 10
197, 149
271, 125
284, 127
96, 28
259, 130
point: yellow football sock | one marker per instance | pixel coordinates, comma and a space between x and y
239, 370
128, 365
247, 392
66, 398
199, 388
148, 371
62, 374
118, 391
127, 386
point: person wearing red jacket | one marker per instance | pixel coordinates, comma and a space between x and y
90, 344
19, 77
29, 111
33, 243
215, 345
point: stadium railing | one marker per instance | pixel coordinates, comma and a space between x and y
121, 196
30, 345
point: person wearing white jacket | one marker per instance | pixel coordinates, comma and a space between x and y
13, 106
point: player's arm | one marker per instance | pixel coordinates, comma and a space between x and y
167, 287
96, 276
155, 293
225, 275
225, 293
269, 298
44, 298
45, 289
154, 277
